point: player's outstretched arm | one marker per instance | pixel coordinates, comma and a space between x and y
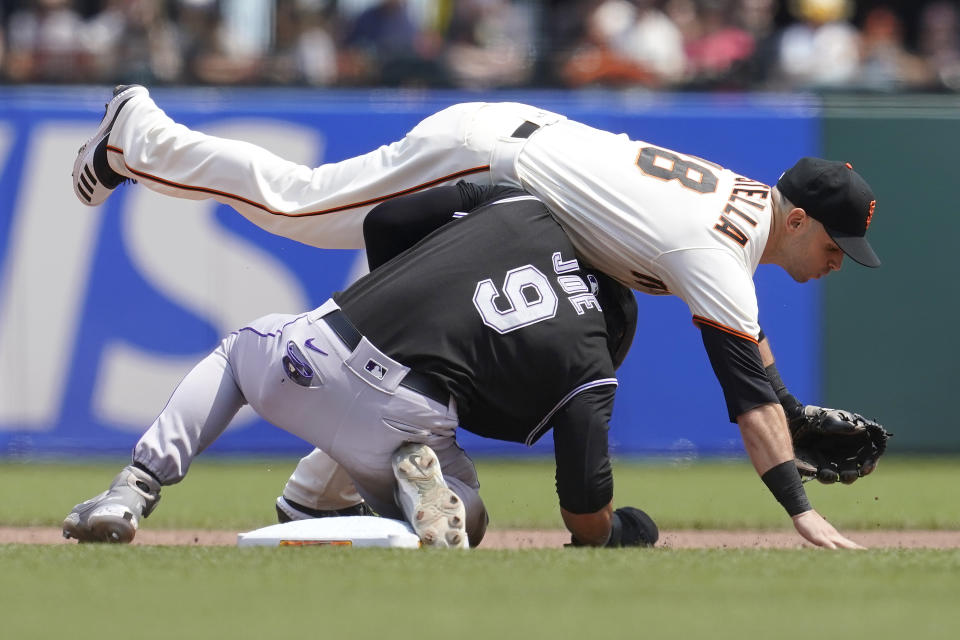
395, 225
767, 442
585, 477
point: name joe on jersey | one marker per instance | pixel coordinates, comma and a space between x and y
527, 295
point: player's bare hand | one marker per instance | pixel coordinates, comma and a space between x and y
816, 530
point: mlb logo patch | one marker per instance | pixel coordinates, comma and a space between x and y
376, 369
594, 284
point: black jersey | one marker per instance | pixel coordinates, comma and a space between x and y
496, 308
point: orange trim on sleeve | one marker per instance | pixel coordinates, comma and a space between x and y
698, 320
305, 214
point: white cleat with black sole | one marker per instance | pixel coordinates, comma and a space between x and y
436, 513
93, 179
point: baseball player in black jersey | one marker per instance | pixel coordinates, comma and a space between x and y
489, 323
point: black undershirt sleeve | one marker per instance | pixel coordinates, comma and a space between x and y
395, 225
584, 475
739, 369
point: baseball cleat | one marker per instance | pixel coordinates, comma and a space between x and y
436, 513
93, 179
288, 511
114, 515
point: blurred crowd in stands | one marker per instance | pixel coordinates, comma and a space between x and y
704, 45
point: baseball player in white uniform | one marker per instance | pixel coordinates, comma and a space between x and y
657, 220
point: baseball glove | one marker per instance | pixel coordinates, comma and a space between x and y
832, 444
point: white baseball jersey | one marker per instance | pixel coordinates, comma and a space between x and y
658, 221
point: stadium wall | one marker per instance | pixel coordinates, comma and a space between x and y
874, 356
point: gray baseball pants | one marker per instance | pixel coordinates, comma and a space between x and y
356, 413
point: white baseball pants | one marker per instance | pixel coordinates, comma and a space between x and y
319, 483
322, 206
357, 418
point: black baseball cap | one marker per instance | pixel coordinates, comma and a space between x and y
839, 198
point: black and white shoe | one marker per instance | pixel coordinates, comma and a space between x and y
288, 511
93, 179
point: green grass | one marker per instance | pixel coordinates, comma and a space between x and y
904, 493
163, 592
93, 591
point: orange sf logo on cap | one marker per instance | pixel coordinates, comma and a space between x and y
873, 205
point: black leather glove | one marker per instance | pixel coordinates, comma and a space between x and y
832, 444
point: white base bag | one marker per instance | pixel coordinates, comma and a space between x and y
355, 531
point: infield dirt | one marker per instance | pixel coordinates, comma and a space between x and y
545, 539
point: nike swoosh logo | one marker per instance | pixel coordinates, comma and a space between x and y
309, 345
